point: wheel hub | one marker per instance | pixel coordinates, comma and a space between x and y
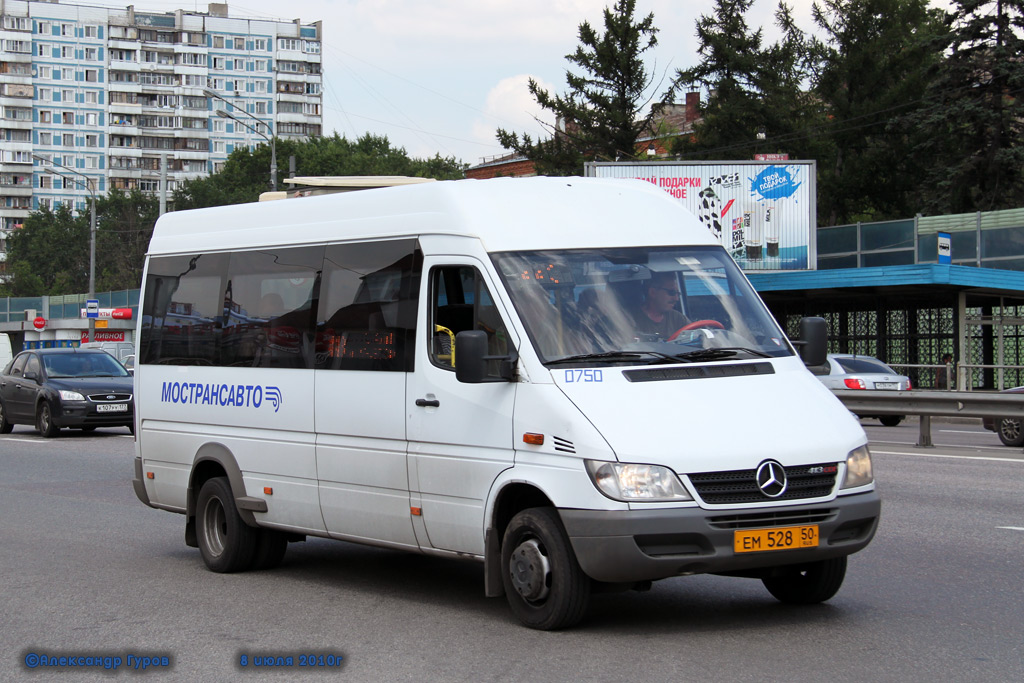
529, 569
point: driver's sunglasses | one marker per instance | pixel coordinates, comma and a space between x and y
669, 290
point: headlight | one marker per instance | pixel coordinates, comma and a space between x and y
858, 468
71, 396
628, 482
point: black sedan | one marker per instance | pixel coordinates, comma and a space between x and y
54, 388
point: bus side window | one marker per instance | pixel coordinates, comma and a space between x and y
368, 303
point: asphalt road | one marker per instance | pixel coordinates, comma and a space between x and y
89, 571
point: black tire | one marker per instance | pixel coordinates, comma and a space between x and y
5, 425
226, 543
270, 548
44, 421
1010, 432
890, 420
807, 584
544, 584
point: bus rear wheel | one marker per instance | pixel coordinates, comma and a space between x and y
226, 543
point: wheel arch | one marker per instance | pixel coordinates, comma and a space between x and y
512, 498
217, 460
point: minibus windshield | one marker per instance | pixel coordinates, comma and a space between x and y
638, 305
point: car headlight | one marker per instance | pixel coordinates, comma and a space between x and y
71, 396
858, 468
632, 482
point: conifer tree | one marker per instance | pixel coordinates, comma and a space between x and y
600, 116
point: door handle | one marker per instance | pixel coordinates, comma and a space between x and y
428, 403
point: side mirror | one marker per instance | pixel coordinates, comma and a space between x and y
32, 375
471, 359
813, 341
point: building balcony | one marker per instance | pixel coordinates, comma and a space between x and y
124, 108
19, 57
119, 65
12, 124
122, 86
16, 190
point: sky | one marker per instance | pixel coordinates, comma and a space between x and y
440, 77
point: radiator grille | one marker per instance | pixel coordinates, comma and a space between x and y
740, 486
110, 397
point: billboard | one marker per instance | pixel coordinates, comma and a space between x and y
763, 213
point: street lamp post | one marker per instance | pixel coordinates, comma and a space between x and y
270, 140
92, 225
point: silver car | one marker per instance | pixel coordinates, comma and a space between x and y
852, 371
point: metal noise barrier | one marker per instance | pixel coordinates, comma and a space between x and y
929, 404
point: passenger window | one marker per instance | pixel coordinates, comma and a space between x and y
183, 310
18, 366
270, 307
461, 301
33, 365
368, 300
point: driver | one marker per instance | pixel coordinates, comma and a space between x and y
658, 315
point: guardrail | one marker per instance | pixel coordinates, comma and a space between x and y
929, 404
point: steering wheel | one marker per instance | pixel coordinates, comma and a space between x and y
696, 324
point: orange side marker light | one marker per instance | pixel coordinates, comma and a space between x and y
533, 439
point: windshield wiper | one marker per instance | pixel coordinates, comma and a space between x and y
610, 357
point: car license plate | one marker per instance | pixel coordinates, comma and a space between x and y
781, 538
887, 385
112, 408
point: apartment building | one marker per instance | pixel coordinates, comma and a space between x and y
115, 93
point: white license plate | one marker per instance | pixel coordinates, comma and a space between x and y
112, 408
887, 385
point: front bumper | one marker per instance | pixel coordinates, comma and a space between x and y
645, 545
79, 414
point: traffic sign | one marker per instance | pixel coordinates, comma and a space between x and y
92, 308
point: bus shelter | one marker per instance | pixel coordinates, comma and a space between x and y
910, 315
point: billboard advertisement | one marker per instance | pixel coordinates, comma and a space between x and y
762, 212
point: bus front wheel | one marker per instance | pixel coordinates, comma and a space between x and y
545, 586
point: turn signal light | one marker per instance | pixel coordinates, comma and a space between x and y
268, 490
150, 475
854, 383
533, 439
416, 512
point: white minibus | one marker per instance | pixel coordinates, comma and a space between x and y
568, 380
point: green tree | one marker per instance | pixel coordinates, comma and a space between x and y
756, 98
728, 73
874, 62
49, 254
600, 115
124, 226
971, 152
245, 174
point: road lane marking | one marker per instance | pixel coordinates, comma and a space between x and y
1012, 528
942, 445
14, 438
1019, 461
965, 431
